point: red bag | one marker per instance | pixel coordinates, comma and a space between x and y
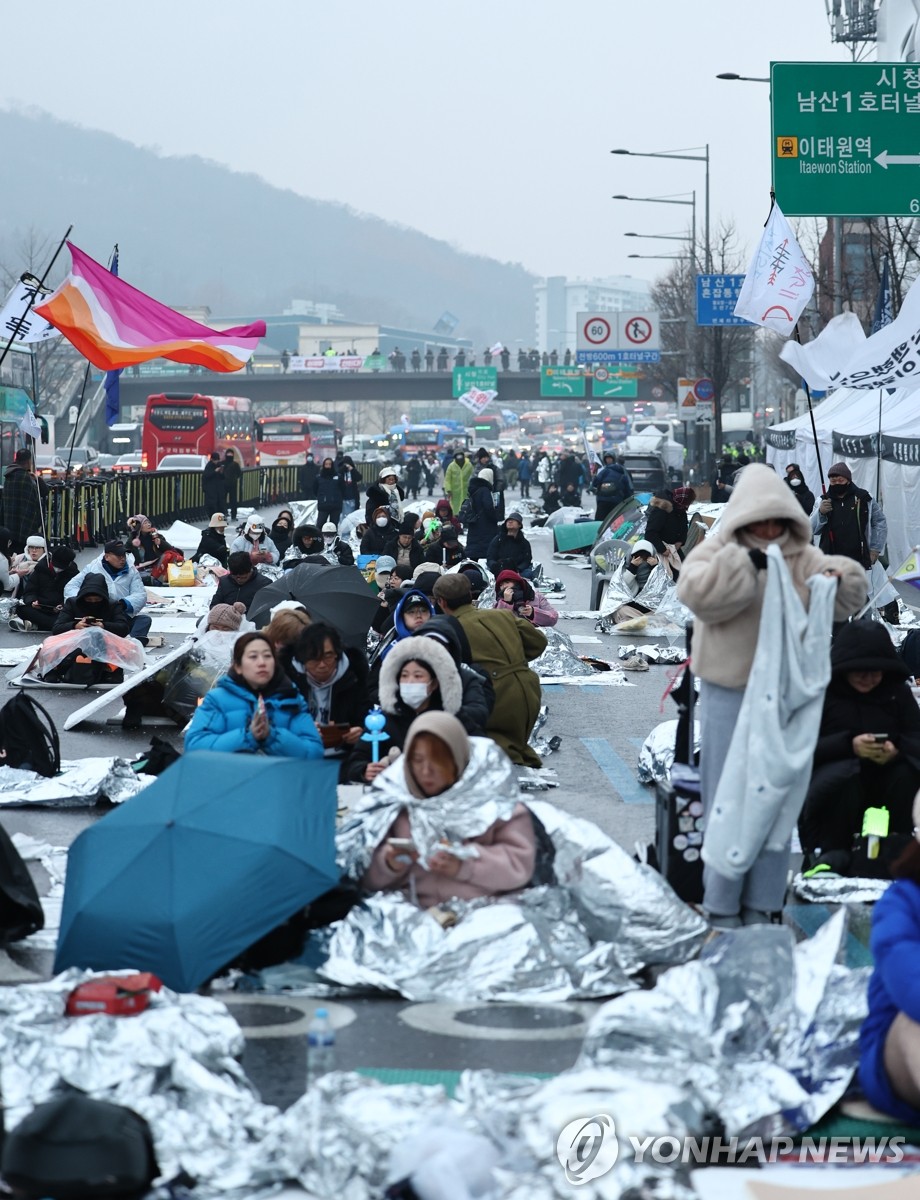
160, 571
117, 995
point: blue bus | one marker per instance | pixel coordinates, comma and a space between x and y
428, 437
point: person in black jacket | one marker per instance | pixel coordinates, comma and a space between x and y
329, 494
92, 607
446, 550
351, 485
404, 548
381, 530
666, 523
214, 540
510, 549
796, 480
43, 591
242, 584
214, 485
385, 493
233, 473
867, 755
282, 531
484, 524
332, 678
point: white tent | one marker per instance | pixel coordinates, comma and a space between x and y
848, 424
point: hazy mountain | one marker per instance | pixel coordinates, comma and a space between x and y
194, 232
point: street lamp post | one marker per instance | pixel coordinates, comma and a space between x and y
682, 155
669, 200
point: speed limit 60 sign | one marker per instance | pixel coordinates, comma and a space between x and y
617, 337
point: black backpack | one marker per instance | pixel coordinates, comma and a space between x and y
75, 1148
20, 908
466, 514
26, 738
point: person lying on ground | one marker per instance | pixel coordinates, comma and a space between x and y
435, 758
514, 592
867, 756
254, 708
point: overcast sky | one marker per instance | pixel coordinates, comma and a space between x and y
486, 123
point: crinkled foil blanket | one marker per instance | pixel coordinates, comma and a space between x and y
80, 783
757, 1037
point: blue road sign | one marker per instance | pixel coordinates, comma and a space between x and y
618, 356
705, 389
716, 296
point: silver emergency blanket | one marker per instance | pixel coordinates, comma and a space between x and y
606, 919
671, 655
304, 512
764, 1033
560, 656
839, 889
176, 1064
657, 754
81, 783
96, 643
269, 570
620, 590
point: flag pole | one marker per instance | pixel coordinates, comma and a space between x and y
811, 413
28, 308
878, 451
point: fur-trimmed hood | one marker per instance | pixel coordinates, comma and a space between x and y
425, 650
660, 502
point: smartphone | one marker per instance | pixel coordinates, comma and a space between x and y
880, 738
260, 707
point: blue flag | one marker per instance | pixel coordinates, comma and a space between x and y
883, 306
112, 390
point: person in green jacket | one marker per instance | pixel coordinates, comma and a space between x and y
457, 480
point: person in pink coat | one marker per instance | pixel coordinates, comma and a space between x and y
515, 592
438, 757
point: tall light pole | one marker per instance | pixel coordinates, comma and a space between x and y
675, 199
685, 157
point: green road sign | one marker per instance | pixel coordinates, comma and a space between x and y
628, 389
375, 362
561, 381
846, 138
485, 379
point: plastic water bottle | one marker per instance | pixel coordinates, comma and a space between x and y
320, 1046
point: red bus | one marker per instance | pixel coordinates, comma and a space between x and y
286, 441
539, 423
185, 423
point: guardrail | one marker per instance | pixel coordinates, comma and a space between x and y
89, 512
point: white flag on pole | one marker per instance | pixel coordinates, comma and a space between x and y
476, 400
817, 361
30, 425
496, 349
779, 282
27, 326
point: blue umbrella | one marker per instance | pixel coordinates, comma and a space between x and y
186, 875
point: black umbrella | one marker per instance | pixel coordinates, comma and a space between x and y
339, 596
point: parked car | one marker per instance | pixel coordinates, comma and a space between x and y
84, 460
183, 462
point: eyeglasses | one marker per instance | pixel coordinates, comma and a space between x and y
329, 656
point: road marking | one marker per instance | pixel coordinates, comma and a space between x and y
340, 1015
618, 772
445, 1019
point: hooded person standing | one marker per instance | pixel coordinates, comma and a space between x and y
214, 485
483, 524
233, 473
351, 486
385, 493
796, 481
612, 486
329, 494
501, 645
256, 542
457, 479
723, 583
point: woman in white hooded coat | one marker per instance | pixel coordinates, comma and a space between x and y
723, 582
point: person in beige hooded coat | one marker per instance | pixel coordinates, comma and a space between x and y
723, 582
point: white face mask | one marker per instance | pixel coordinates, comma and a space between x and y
795, 482
329, 539
382, 522
413, 694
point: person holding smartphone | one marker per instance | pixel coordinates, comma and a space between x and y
867, 756
90, 608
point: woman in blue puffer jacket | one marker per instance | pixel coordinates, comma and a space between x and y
254, 709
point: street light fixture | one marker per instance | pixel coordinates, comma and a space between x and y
675, 199
746, 78
686, 157
664, 237
675, 256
